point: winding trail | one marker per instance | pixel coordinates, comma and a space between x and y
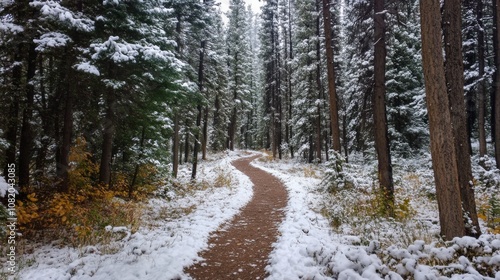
240, 249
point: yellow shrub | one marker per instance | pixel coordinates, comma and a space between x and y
27, 212
81, 214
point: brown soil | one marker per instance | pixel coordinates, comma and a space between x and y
240, 249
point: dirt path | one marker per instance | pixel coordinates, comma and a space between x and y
241, 248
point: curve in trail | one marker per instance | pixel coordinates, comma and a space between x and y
240, 249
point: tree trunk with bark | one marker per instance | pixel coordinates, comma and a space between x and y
319, 85
496, 83
66, 140
131, 187
443, 154
175, 146
186, 143
26, 141
452, 24
12, 127
379, 111
204, 142
332, 89
200, 111
481, 122
290, 98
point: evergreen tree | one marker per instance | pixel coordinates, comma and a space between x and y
357, 76
238, 63
308, 98
406, 111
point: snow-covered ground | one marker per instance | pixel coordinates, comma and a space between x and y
320, 238
177, 228
312, 247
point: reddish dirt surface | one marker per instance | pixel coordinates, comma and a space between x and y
240, 249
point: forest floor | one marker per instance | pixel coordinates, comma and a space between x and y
313, 231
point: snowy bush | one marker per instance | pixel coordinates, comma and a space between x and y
487, 191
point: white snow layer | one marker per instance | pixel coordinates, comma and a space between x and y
158, 252
306, 248
4, 187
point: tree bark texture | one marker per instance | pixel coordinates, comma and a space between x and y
200, 110
66, 140
379, 110
443, 154
26, 141
204, 142
496, 83
332, 89
454, 69
318, 84
175, 146
482, 82
11, 132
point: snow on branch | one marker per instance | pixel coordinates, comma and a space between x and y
120, 51
8, 27
86, 67
52, 40
54, 11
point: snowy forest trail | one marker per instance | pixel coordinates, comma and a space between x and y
240, 249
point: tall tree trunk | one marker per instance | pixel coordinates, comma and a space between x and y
232, 128
66, 140
345, 139
287, 81
332, 89
26, 141
482, 82
492, 91
186, 145
311, 149
279, 102
216, 122
379, 111
274, 88
204, 142
45, 119
200, 110
496, 83
443, 154
131, 187
290, 98
12, 126
175, 146
452, 27
470, 60
319, 85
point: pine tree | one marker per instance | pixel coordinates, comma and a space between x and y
271, 58
406, 111
237, 48
382, 145
332, 89
308, 98
496, 83
357, 76
217, 84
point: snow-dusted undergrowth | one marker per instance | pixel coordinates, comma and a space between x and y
175, 230
326, 234
334, 235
